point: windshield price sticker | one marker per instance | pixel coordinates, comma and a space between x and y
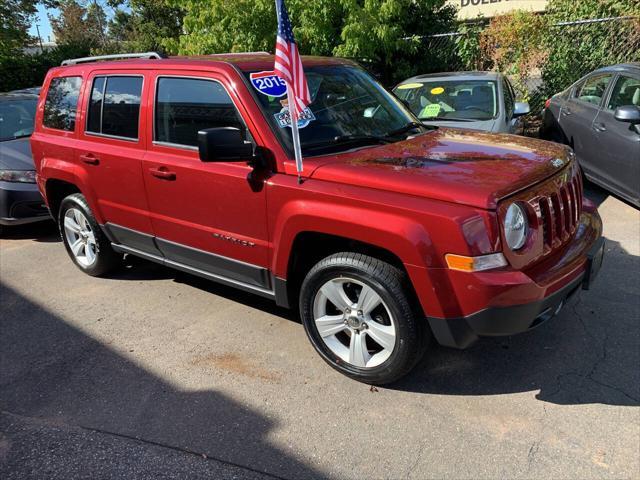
430, 111
437, 91
284, 118
268, 83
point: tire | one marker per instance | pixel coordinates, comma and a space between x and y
357, 341
86, 244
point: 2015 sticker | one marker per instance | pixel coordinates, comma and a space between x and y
283, 117
268, 83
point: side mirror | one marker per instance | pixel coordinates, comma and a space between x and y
224, 144
628, 114
520, 109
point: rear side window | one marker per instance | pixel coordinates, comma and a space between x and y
114, 106
186, 105
61, 104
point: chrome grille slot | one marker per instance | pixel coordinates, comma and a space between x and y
546, 223
559, 207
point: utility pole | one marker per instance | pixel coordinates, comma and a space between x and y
100, 26
39, 38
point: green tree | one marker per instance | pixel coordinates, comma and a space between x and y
218, 26
16, 17
385, 34
515, 44
577, 49
388, 34
77, 24
145, 25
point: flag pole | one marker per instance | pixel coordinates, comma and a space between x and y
295, 134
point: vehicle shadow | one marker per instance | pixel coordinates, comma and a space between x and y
594, 192
589, 353
55, 374
598, 195
45, 231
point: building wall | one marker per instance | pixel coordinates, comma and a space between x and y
470, 9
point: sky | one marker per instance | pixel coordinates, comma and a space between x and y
43, 23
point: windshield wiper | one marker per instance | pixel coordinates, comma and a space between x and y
404, 129
452, 119
342, 139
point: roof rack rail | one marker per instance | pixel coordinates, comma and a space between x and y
118, 56
238, 53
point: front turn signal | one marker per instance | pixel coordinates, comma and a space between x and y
475, 264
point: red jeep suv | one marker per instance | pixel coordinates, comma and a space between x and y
398, 232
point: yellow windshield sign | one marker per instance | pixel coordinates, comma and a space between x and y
437, 90
408, 86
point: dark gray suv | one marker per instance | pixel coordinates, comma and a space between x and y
599, 116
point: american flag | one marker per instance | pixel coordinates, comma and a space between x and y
288, 64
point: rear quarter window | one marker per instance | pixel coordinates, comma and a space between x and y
61, 105
114, 106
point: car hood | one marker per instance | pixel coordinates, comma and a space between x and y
16, 155
461, 166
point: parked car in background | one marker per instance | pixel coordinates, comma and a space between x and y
20, 200
599, 116
478, 100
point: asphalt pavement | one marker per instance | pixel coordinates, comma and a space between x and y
152, 373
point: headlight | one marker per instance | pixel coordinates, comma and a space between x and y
21, 176
515, 226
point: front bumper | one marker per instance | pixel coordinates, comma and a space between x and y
545, 288
21, 203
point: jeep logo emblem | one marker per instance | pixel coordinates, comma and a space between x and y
557, 162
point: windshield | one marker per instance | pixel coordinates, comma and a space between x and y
349, 109
464, 100
16, 118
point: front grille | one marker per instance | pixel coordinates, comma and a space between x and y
560, 208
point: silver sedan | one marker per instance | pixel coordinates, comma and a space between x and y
477, 100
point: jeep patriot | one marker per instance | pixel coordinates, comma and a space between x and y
398, 234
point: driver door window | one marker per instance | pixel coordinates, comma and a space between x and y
186, 105
626, 91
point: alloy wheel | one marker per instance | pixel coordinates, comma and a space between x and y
354, 322
80, 237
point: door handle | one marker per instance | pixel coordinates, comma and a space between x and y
90, 159
566, 111
599, 127
163, 173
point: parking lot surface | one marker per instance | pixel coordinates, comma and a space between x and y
153, 373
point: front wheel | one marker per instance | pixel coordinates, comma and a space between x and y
87, 246
359, 317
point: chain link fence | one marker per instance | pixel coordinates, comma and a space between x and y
557, 57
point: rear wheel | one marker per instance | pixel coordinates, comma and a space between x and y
87, 246
360, 319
